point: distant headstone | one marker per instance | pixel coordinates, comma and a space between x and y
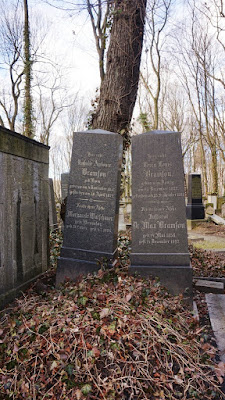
159, 232
212, 198
209, 209
223, 210
122, 225
195, 208
91, 222
52, 207
220, 202
64, 184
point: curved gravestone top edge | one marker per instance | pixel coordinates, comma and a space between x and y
159, 132
98, 131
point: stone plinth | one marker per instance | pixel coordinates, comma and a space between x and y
159, 232
91, 222
195, 208
24, 212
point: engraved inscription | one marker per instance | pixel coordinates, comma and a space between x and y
159, 194
196, 187
90, 193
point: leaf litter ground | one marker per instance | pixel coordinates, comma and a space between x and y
109, 336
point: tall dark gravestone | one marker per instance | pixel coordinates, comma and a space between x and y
159, 232
195, 208
91, 222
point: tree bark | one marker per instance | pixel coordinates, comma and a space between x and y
28, 125
118, 90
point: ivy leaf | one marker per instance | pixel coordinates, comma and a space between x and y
86, 389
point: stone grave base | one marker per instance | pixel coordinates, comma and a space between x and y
195, 211
10, 295
70, 269
86, 262
175, 278
192, 223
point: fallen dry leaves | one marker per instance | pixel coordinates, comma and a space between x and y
207, 263
111, 336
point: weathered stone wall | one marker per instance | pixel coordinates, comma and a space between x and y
24, 211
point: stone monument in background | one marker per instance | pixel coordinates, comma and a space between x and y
159, 232
195, 208
91, 221
24, 212
64, 185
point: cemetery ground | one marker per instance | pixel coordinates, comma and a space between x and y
110, 336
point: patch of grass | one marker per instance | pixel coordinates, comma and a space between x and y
210, 244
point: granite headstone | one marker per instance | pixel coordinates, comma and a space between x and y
91, 222
195, 208
159, 232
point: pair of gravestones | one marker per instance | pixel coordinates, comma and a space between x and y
159, 235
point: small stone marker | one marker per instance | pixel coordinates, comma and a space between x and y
159, 232
122, 225
91, 222
195, 207
209, 286
216, 307
64, 184
223, 210
52, 208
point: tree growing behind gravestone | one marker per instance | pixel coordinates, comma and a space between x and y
118, 90
122, 22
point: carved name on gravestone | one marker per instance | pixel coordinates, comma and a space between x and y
91, 223
195, 208
159, 233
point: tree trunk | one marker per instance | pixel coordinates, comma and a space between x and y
118, 90
204, 170
28, 126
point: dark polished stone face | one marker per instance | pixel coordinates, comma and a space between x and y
91, 222
158, 213
195, 207
159, 232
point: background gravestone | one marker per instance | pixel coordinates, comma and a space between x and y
24, 212
195, 208
91, 222
159, 232
64, 184
52, 207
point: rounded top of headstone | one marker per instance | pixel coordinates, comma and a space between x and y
160, 132
99, 131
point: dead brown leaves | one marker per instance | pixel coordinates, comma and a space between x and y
112, 336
